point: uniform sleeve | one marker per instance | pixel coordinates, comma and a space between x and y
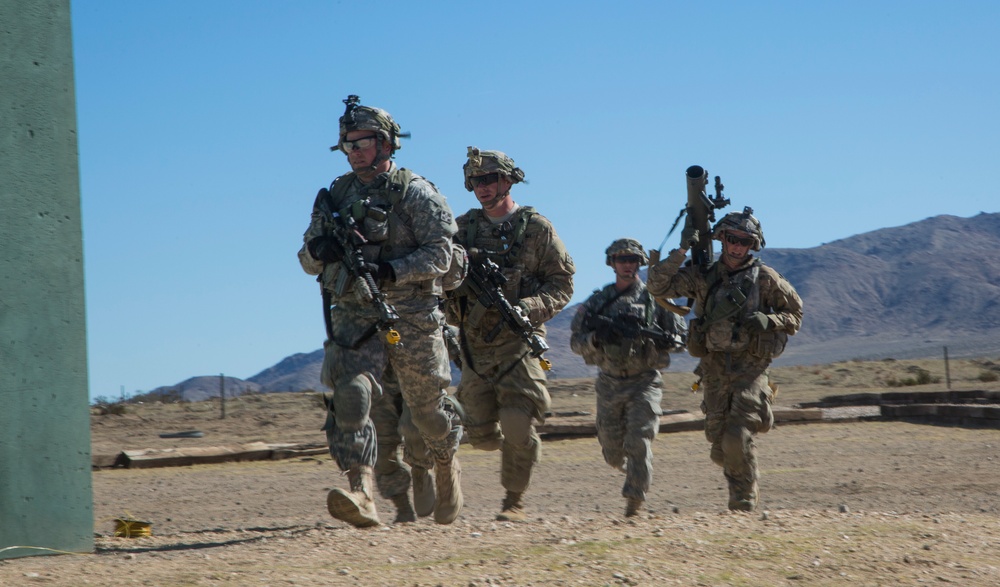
667, 279
581, 339
782, 299
556, 278
433, 226
310, 264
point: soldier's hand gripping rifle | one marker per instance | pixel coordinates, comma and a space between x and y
347, 234
487, 285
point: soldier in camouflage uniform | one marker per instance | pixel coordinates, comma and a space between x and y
744, 314
503, 388
629, 337
408, 229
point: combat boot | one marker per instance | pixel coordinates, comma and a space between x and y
742, 501
512, 508
448, 502
404, 511
423, 491
356, 507
632, 506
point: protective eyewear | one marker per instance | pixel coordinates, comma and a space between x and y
356, 144
738, 240
628, 259
488, 179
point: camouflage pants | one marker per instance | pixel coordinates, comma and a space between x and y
628, 417
499, 411
357, 378
394, 427
737, 406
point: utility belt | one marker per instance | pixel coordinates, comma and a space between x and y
625, 373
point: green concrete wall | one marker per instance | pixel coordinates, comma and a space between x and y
45, 478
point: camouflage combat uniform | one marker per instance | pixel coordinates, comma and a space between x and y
629, 386
502, 386
416, 240
734, 361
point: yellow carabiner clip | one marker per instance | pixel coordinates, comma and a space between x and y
392, 336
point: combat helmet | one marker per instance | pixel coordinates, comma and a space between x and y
483, 162
358, 117
625, 246
744, 222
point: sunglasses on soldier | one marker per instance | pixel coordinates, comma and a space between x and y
627, 259
362, 143
737, 240
488, 179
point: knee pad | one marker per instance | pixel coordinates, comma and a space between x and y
352, 401
430, 420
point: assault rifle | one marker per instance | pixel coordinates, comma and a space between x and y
487, 285
347, 234
628, 326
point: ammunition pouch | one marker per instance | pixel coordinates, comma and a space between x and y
725, 336
768, 344
696, 339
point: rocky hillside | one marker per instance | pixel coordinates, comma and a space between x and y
900, 292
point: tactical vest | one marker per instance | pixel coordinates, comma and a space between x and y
384, 223
504, 243
608, 294
677, 328
363, 213
729, 300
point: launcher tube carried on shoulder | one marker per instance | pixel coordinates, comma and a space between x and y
701, 211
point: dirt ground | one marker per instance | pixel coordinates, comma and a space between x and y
866, 503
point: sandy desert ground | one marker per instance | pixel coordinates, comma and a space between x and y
860, 503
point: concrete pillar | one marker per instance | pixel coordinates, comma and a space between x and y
45, 478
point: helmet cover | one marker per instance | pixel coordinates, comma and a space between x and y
625, 246
485, 162
743, 221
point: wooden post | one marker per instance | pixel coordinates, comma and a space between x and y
222, 394
947, 369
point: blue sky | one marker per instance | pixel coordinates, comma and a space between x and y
204, 130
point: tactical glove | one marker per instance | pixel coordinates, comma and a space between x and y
381, 271
326, 249
757, 322
689, 234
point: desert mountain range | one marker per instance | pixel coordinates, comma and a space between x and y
902, 292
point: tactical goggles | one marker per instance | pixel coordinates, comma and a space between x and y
739, 240
363, 143
628, 259
488, 179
